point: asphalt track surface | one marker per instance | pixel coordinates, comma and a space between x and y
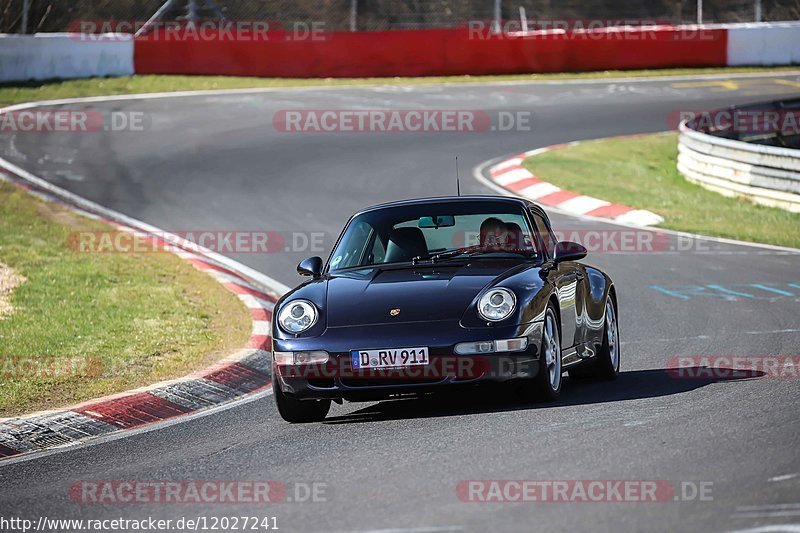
217, 162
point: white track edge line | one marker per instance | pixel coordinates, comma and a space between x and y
125, 433
268, 282
257, 90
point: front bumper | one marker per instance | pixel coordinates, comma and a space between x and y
338, 379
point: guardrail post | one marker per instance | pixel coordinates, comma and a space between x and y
26, 7
166, 6
353, 15
193, 14
498, 16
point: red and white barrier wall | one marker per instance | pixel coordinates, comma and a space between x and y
46, 56
398, 53
432, 52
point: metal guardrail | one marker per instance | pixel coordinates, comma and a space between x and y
748, 151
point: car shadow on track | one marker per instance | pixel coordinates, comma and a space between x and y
634, 385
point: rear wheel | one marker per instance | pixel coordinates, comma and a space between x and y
299, 411
609, 358
546, 386
606, 365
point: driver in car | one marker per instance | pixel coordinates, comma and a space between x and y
495, 236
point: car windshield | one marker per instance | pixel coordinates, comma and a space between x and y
435, 232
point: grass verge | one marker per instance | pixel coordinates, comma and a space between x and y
142, 317
26, 92
641, 172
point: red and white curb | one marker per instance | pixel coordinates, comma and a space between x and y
242, 374
512, 176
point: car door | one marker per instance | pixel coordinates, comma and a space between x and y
570, 290
569, 279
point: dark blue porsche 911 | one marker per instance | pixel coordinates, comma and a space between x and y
426, 295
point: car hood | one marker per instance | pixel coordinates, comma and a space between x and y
424, 293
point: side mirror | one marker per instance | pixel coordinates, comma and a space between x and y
310, 267
569, 251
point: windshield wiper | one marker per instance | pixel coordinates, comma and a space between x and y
441, 255
465, 252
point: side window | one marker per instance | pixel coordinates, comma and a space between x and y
548, 239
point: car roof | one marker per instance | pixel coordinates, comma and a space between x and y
448, 199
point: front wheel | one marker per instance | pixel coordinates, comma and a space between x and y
299, 411
546, 386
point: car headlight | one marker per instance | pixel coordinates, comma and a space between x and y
297, 316
497, 304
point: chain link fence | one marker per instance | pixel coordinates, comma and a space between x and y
30, 16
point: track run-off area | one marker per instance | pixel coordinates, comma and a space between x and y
225, 162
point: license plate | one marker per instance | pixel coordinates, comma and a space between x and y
390, 358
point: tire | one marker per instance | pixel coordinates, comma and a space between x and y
608, 360
606, 365
546, 386
300, 411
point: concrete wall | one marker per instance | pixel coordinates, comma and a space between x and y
434, 52
61, 55
770, 43
397, 53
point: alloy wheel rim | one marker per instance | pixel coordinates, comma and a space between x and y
552, 352
613, 344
